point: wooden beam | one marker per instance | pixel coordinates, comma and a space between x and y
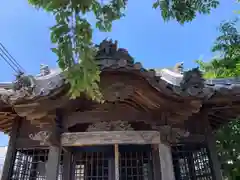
92, 117
110, 137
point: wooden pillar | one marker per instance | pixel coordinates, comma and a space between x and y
216, 166
54, 154
116, 155
211, 143
166, 163
11, 151
53, 163
67, 159
156, 162
191, 167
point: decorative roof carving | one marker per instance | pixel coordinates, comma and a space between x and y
44, 70
42, 136
24, 84
118, 91
107, 48
109, 54
110, 126
27, 87
192, 82
178, 68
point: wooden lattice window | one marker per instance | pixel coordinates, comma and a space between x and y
191, 161
31, 164
135, 162
91, 166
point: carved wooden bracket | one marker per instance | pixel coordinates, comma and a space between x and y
171, 135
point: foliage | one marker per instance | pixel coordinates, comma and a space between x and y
228, 47
184, 11
228, 65
72, 33
228, 138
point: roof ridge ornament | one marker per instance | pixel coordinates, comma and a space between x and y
44, 70
179, 68
109, 54
24, 85
193, 82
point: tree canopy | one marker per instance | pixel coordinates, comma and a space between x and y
72, 33
227, 45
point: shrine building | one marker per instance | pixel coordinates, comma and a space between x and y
155, 124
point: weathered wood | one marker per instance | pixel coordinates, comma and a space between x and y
56, 129
110, 137
211, 142
28, 143
110, 126
156, 162
192, 138
116, 155
9, 160
97, 116
167, 171
53, 163
49, 135
67, 159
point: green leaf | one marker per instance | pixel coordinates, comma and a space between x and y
156, 5
228, 65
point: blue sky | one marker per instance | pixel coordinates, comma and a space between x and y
25, 33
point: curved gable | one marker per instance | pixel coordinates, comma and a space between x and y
178, 95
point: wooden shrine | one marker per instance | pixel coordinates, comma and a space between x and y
153, 125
